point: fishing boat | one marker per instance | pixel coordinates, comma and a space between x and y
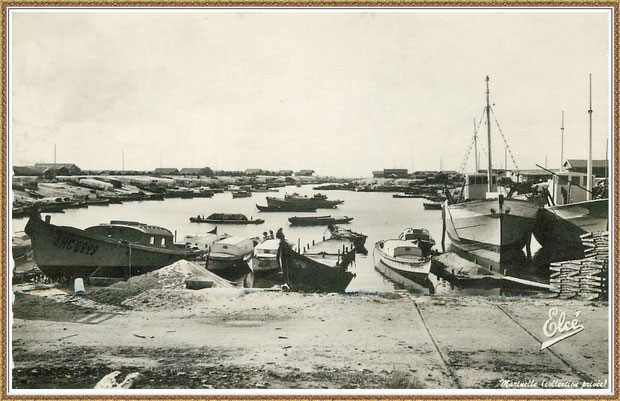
432, 205
406, 196
318, 201
229, 258
322, 267
226, 218
318, 220
241, 193
202, 241
402, 261
125, 248
286, 208
488, 228
421, 236
358, 239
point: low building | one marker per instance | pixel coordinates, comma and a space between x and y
53, 169
285, 173
532, 175
196, 171
304, 173
27, 171
253, 171
395, 173
599, 167
166, 171
378, 174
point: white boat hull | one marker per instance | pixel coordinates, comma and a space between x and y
416, 270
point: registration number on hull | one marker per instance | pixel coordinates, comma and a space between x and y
77, 245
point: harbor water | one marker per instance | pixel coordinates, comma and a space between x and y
376, 214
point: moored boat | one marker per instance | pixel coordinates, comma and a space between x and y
402, 261
124, 248
229, 258
322, 267
432, 205
358, 239
226, 218
286, 208
265, 257
241, 193
318, 201
421, 236
318, 220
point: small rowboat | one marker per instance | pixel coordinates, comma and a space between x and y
432, 205
358, 239
318, 220
223, 218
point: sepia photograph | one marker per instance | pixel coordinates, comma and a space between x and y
309, 201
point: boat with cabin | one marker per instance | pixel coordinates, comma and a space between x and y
403, 261
318, 220
286, 208
117, 249
318, 201
241, 193
265, 257
229, 258
421, 236
226, 218
485, 226
321, 267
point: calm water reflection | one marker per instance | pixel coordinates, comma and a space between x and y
378, 215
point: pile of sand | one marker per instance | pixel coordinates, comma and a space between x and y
173, 277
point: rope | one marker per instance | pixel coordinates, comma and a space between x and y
473, 139
505, 142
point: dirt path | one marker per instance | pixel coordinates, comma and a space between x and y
241, 339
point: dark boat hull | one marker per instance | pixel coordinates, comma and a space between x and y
559, 228
215, 221
288, 208
432, 205
311, 221
358, 239
62, 251
308, 203
306, 275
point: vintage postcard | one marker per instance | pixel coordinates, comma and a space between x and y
401, 200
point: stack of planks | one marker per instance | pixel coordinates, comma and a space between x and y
585, 278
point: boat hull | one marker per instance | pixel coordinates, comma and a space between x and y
559, 228
307, 275
307, 203
215, 221
61, 251
231, 268
402, 271
484, 230
312, 221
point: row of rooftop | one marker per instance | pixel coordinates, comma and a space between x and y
51, 170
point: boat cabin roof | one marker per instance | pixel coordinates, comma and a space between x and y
134, 225
268, 245
233, 245
398, 247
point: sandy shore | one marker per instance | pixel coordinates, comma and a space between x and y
230, 338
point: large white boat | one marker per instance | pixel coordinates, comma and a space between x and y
486, 227
265, 257
402, 261
229, 258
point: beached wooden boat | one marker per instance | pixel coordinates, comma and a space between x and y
421, 236
358, 239
323, 267
318, 220
402, 261
226, 218
287, 208
118, 249
265, 257
229, 258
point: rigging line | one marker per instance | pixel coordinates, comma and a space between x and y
473, 139
505, 141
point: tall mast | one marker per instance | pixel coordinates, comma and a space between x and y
562, 145
490, 168
589, 171
476, 145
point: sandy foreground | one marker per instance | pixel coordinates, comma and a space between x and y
235, 338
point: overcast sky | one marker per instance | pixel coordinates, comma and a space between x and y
343, 93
